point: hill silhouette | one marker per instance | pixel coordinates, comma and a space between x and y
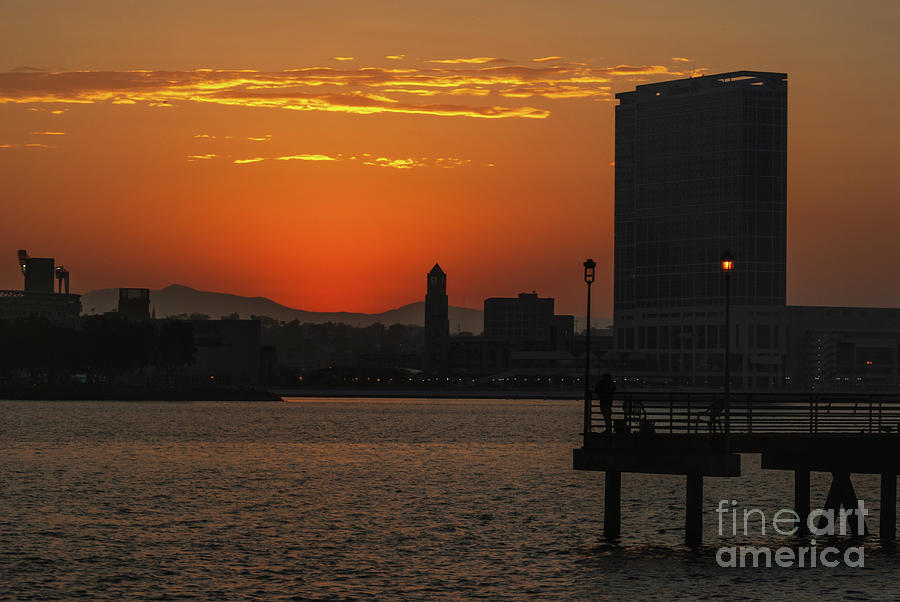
179, 299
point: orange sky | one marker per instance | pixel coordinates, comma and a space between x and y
326, 156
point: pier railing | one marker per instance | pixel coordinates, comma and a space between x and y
750, 413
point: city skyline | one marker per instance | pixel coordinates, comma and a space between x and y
490, 154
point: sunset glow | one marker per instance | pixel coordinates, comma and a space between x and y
327, 159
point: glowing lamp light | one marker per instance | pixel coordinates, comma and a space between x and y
589, 266
727, 262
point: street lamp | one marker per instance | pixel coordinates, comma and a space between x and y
727, 266
589, 266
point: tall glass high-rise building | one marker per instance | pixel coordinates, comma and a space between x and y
701, 168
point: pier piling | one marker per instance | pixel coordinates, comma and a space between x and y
693, 523
801, 498
612, 505
887, 531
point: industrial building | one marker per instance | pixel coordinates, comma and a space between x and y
38, 297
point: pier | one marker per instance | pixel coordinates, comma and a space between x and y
702, 434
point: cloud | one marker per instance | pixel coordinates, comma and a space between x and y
342, 58
366, 105
195, 157
361, 91
47, 133
680, 59
306, 158
557, 91
266, 138
395, 163
479, 60
545, 59
365, 159
395, 57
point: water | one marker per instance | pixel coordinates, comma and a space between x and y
364, 498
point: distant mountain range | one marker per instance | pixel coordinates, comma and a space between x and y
178, 299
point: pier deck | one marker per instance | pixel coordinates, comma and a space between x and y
703, 434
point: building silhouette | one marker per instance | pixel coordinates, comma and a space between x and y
437, 322
701, 168
522, 337
37, 297
134, 303
528, 322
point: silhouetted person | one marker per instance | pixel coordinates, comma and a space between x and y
606, 388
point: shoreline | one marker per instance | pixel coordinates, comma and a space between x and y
346, 393
107, 392
116, 392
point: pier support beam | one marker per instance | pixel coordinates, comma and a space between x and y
841, 493
693, 523
801, 498
612, 505
887, 531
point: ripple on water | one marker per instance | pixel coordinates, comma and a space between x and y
341, 500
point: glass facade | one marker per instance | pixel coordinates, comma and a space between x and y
701, 167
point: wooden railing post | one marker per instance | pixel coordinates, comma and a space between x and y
671, 415
689, 415
749, 414
870, 415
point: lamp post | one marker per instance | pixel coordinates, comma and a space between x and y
727, 267
589, 266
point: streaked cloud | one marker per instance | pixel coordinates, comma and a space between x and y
478, 60
303, 157
395, 163
47, 133
199, 157
364, 159
556, 91
51, 111
266, 138
343, 58
362, 91
680, 59
395, 57
545, 59
306, 158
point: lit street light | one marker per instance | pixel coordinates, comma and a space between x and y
727, 267
589, 266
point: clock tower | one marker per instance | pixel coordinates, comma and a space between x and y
437, 322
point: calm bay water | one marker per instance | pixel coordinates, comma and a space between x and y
365, 498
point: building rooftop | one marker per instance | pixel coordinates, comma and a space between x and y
704, 84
